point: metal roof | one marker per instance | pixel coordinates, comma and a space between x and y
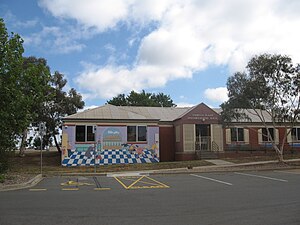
163, 114
111, 112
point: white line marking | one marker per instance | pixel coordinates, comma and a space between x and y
269, 178
211, 179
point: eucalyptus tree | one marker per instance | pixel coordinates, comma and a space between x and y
60, 104
269, 90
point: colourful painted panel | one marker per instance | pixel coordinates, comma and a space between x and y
109, 157
111, 148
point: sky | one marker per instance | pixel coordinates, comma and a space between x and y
183, 48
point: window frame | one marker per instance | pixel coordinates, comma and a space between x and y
264, 134
238, 137
88, 130
296, 136
137, 135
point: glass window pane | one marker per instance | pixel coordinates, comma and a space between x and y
90, 133
131, 133
294, 134
80, 133
240, 134
271, 130
233, 134
142, 131
264, 134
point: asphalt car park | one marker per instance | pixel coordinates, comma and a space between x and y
252, 197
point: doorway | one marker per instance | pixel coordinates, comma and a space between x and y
203, 138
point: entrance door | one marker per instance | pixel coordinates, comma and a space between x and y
203, 137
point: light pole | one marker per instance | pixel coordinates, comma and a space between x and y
42, 131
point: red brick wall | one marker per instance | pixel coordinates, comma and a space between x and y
184, 157
255, 146
166, 144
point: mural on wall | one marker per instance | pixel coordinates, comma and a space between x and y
110, 150
112, 139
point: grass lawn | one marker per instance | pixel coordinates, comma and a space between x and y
30, 164
52, 164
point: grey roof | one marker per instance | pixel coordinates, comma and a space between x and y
254, 115
163, 114
111, 112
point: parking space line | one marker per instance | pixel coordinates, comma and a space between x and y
166, 186
264, 177
70, 189
211, 179
124, 186
141, 181
135, 181
38, 189
101, 189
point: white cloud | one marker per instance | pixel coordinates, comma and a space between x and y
109, 81
219, 94
184, 104
189, 36
56, 39
90, 13
88, 107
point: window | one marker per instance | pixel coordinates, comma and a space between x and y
265, 135
295, 134
136, 133
237, 134
142, 131
85, 133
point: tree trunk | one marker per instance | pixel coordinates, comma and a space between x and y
23, 143
56, 144
280, 157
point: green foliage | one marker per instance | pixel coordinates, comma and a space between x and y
2, 177
142, 99
11, 61
59, 105
270, 83
11, 98
269, 89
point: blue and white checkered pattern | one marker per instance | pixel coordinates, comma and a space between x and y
109, 157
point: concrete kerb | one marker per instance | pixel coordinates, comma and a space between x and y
263, 165
32, 182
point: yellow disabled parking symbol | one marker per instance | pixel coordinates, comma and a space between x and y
139, 182
73, 185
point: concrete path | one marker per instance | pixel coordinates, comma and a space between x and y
219, 162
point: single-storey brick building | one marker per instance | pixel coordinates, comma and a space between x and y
122, 134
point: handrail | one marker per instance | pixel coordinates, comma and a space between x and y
215, 146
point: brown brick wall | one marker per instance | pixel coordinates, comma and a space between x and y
166, 144
184, 157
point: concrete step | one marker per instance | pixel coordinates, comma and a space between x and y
207, 155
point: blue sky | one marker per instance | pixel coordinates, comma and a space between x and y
183, 48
